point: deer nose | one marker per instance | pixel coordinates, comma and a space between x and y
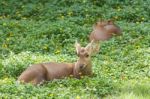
82, 66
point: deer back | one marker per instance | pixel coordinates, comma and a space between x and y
104, 30
58, 70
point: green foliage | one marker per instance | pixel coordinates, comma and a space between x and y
34, 31
134, 90
55, 24
66, 88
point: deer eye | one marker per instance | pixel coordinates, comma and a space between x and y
87, 55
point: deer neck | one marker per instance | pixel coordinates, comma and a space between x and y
74, 72
87, 71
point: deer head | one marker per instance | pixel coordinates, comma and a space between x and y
83, 65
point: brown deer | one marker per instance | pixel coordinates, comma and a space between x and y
103, 30
38, 73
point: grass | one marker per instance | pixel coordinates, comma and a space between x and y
133, 90
39, 31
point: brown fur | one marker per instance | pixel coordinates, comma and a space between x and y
38, 73
103, 30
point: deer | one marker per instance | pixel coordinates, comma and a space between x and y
37, 74
102, 31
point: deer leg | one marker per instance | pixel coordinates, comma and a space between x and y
38, 80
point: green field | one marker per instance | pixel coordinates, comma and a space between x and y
34, 31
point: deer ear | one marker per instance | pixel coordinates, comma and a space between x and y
77, 46
89, 47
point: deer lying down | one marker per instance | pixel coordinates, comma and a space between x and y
102, 31
38, 73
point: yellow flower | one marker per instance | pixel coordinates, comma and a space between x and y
4, 46
10, 34
71, 75
1, 17
80, 73
24, 18
116, 17
51, 95
87, 15
86, 9
69, 13
7, 39
4, 24
5, 79
62, 60
78, 97
137, 22
118, 9
18, 14
45, 47
143, 18
84, 1
22, 6
57, 51
62, 17
61, 30
82, 76
137, 47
